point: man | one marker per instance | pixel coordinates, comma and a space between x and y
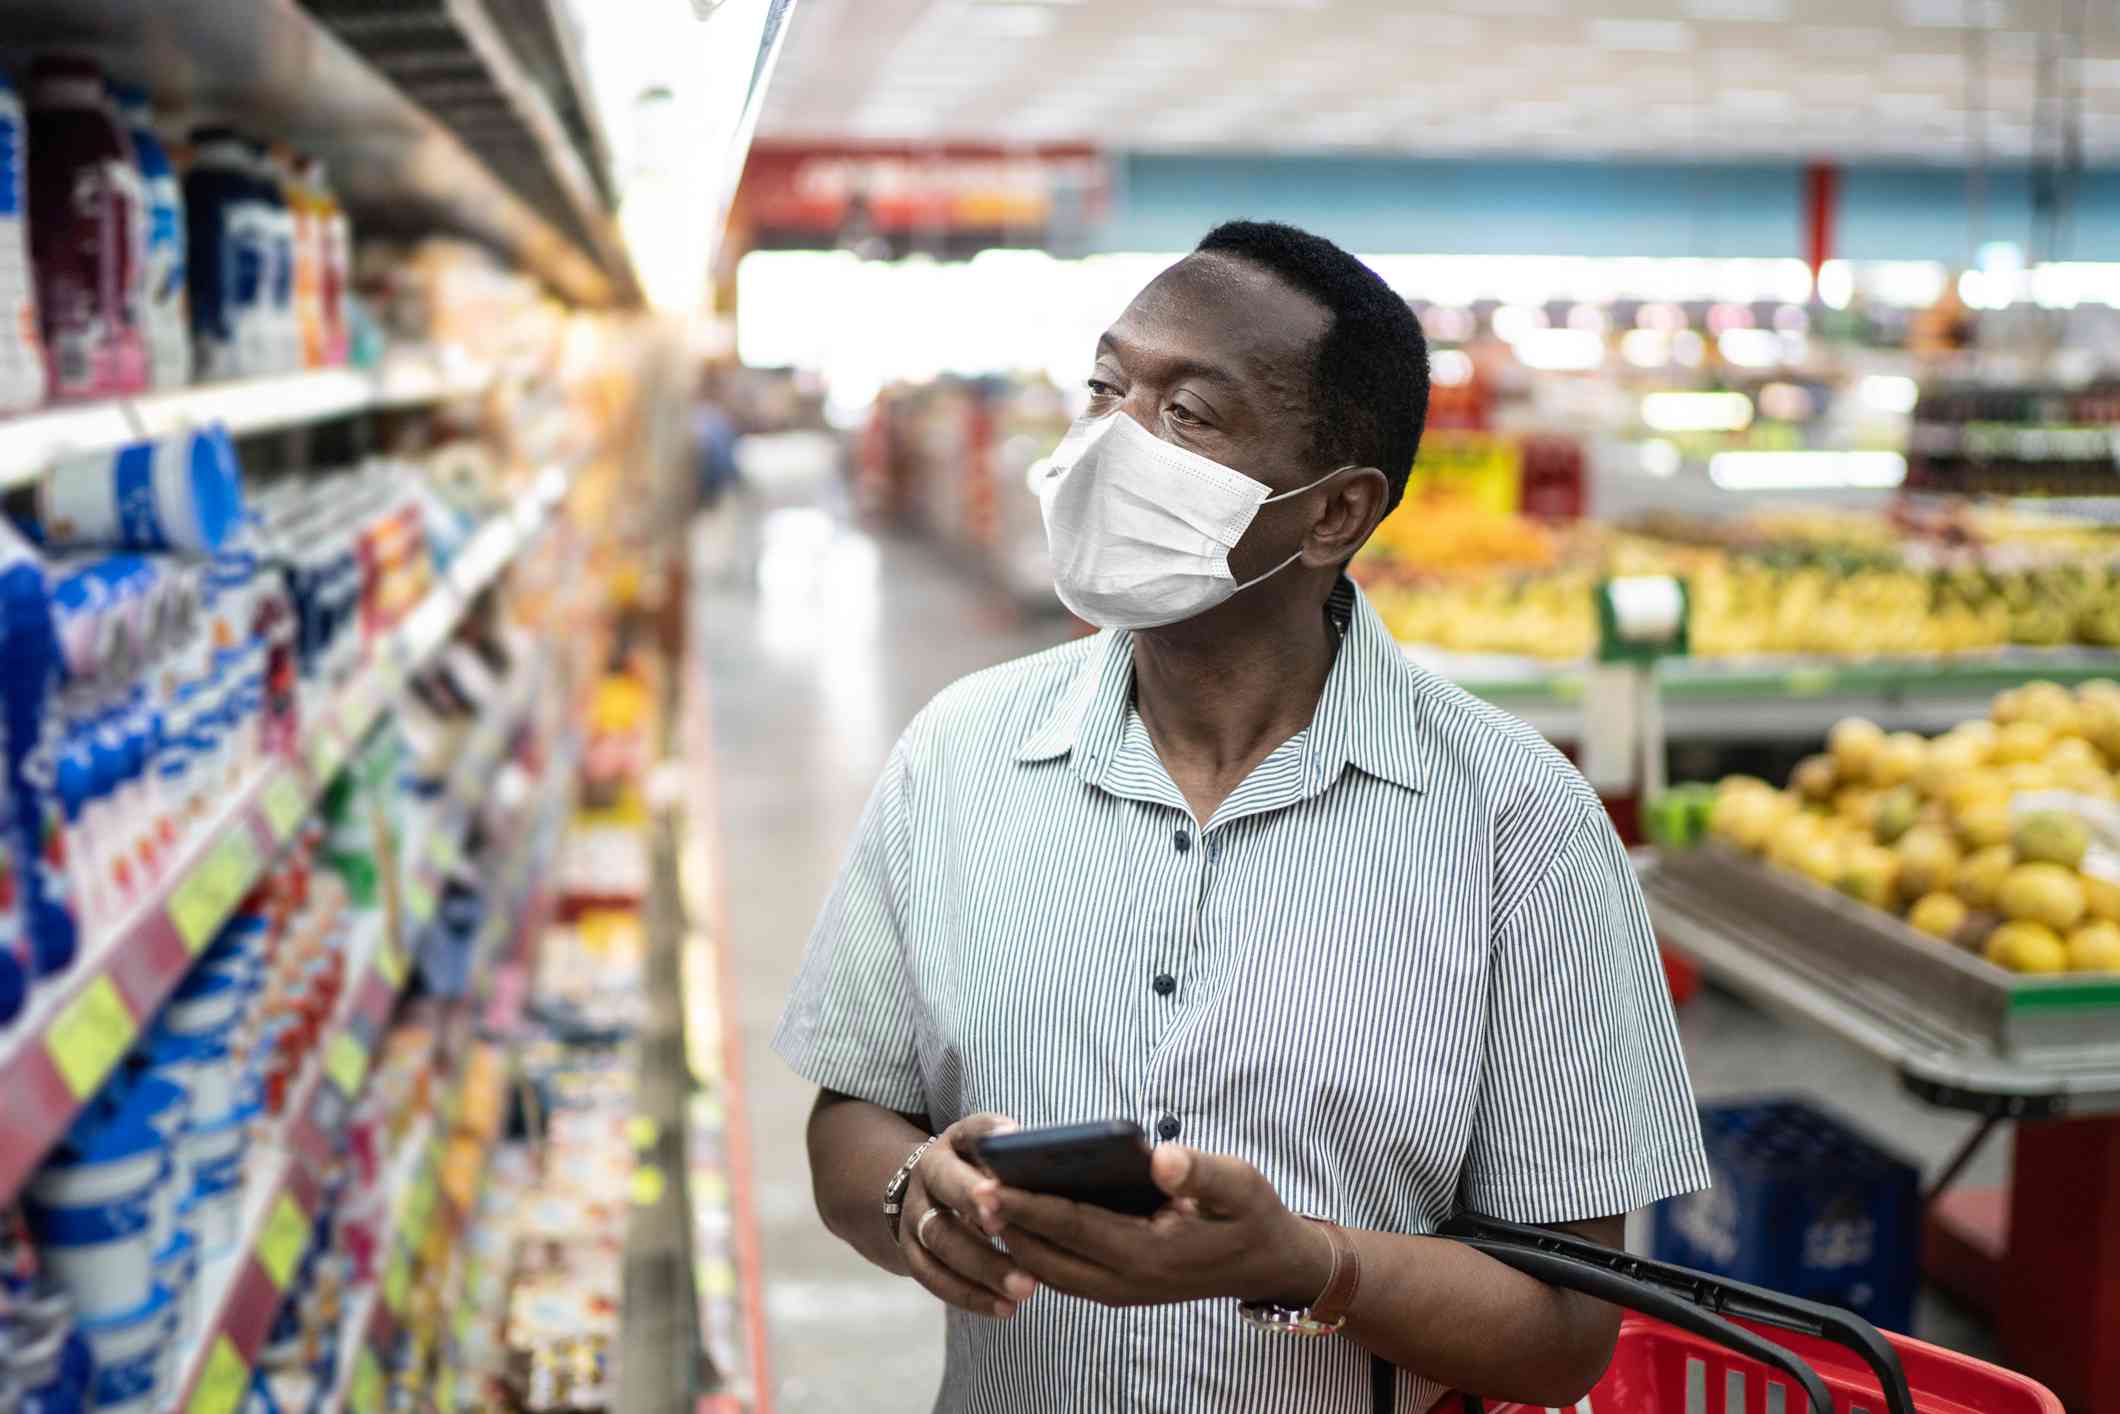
1236, 870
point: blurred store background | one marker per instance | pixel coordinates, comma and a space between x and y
487, 481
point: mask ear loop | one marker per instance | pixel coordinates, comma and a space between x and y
1261, 579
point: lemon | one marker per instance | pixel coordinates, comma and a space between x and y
1854, 744
1984, 824
1927, 859
1814, 778
2022, 741
2102, 896
1938, 915
2052, 836
2024, 946
2095, 947
2042, 893
1980, 874
1870, 872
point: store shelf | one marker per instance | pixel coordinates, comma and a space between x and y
240, 1293
1775, 698
270, 66
32, 441
78, 1028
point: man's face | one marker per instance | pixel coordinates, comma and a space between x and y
1215, 356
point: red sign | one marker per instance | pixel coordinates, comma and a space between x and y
897, 188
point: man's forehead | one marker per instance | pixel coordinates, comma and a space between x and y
1220, 316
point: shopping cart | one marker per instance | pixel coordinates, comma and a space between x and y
1695, 1344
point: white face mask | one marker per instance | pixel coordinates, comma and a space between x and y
1140, 529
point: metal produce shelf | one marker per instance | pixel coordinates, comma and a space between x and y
58, 1054
1775, 698
1708, 906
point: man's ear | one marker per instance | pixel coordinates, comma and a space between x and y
1354, 505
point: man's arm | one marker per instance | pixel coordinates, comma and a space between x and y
1462, 1318
1425, 1303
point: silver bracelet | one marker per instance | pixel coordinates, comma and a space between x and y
894, 1191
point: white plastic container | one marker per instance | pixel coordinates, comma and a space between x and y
183, 492
208, 1004
90, 1210
177, 1274
206, 1070
131, 1351
216, 1155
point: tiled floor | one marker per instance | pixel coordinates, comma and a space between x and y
819, 652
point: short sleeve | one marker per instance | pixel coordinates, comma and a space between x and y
851, 1020
1585, 1108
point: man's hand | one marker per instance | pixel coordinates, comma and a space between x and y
1224, 1233
944, 1253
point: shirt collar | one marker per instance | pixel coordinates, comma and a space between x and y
1367, 716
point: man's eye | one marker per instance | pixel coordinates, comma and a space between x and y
1098, 388
1179, 412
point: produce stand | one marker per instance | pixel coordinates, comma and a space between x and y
2043, 1257
1774, 698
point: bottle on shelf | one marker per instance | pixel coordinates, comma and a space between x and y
22, 373
164, 316
84, 196
225, 223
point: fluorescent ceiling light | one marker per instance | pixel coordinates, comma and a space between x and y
1807, 471
1764, 11
1658, 36
1661, 459
1696, 412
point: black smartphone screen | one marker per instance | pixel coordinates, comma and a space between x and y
1105, 1164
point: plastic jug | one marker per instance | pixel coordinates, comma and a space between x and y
164, 317
84, 194
224, 221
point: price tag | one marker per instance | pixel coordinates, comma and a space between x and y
397, 1283
87, 1038
419, 900
223, 1384
642, 1131
1808, 682
390, 965
215, 885
322, 753
281, 1244
648, 1184
1566, 689
284, 805
365, 1394
346, 1062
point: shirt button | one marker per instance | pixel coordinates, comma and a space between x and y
1180, 841
1165, 984
1167, 1127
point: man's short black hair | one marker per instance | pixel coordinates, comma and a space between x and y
1369, 385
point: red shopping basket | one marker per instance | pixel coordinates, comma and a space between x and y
1699, 1344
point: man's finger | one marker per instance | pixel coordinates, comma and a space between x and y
954, 1289
1103, 1236
972, 1257
1215, 1182
948, 1180
1063, 1270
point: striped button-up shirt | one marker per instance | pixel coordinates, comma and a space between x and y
1405, 969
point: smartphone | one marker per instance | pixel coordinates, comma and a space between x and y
1105, 1164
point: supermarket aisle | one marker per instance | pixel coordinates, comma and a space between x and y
815, 668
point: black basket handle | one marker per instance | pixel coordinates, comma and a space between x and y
1692, 1301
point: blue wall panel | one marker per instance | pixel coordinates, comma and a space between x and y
1433, 207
